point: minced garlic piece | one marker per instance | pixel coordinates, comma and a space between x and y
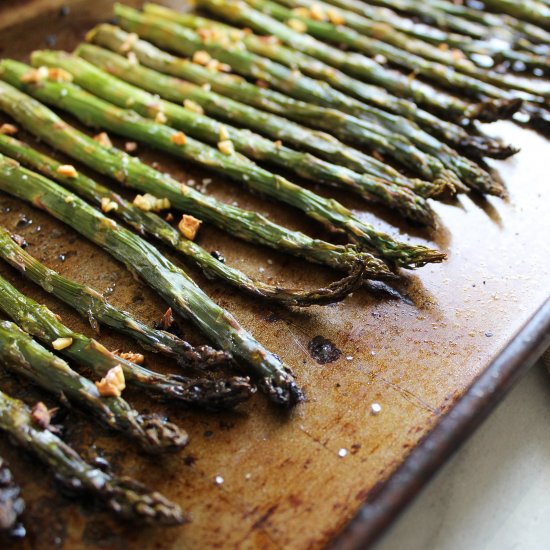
130, 146
128, 44
62, 343
318, 12
69, 199
150, 203
201, 57
179, 138
107, 205
137, 358
301, 11
103, 139
335, 16
160, 118
132, 58
213, 65
224, 67
34, 76
189, 226
112, 384
206, 86
67, 170
297, 25
40, 415
226, 147
191, 105
8, 129
223, 133
59, 75
278, 144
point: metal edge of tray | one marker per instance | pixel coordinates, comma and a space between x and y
389, 499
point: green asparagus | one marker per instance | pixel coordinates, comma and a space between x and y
328, 118
528, 10
152, 224
123, 496
240, 223
20, 354
95, 308
465, 169
240, 13
387, 34
321, 144
92, 110
171, 282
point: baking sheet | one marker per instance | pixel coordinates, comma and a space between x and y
285, 484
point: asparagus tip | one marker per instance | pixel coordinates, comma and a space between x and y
495, 109
162, 436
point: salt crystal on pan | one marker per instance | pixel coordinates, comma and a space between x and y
349, 357
219, 480
375, 408
342, 453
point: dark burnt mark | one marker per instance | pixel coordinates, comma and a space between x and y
189, 460
323, 350
265, 517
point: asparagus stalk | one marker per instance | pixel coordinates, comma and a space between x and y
342, 125
431, 70
92, 110
123, 496
465, 169
11, 503
321, 144
118, 92
240, 13
527, 10
20, 354
389, 35
244, 224
45, 325
364, 68
152, 224
94, 307
171, 282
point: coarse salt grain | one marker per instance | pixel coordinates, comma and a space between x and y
342, 453
375, 408
219, 480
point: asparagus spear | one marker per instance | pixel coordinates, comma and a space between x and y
19, 353
207, 129
93, 306
123, 496
364, 68
45, 325
11, 503
152, 224
389, 35
240, 13
527, 10
437, 72
240, 223
224, 36
321, 144
342, 125
183, 295
92, 110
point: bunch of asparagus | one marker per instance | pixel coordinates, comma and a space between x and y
296, 101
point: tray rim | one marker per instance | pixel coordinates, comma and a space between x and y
389, 499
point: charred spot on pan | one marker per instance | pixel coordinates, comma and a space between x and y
323, 350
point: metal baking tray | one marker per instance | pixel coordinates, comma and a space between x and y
437, 362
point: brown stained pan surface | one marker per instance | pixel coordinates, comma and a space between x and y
285, 484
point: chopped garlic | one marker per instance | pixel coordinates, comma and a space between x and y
130, 146
150, 203
104, 140
62, 343
59, 75
201, 57
8, 129
40, 415
160, 118
137, 358
226, 147
128, 44
223, 133
132, 58
318, 12
297, 25
189, 226
67, 170
35, 76
112, 384
335, 16
191, 105
107, 205
179, 138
